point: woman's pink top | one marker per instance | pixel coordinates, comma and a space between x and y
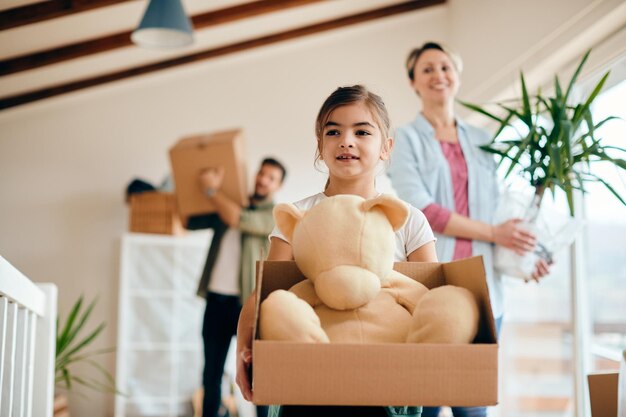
439, 216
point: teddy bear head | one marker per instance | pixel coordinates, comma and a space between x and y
344, 245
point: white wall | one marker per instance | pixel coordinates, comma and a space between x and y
64, 162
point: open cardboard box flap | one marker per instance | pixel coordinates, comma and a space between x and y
385, 373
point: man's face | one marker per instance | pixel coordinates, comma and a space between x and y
268, 181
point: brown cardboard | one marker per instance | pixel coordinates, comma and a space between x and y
603, 394
189, 156
386, 373
154, 212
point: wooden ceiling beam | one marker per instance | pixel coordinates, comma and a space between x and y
122, 39
46, 10
342, 22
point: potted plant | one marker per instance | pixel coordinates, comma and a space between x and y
553, 147
71, 348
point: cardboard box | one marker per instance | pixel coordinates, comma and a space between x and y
381, 374
191, 155
154, 212
603, 394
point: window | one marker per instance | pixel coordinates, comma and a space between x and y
605, 239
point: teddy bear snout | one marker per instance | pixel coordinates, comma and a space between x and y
346, 287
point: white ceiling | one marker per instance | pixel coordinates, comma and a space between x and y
78, 27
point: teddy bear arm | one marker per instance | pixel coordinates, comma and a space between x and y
407, 291
305, 290
286, 317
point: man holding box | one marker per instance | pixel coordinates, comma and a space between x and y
239, 237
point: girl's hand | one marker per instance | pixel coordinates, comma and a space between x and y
512, 236
212, 178
542, 268
244, 364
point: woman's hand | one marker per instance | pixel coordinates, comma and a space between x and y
542, 268
512, 235
244, 365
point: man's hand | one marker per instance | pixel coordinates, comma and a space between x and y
211, 179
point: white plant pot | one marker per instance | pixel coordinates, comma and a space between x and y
554, 231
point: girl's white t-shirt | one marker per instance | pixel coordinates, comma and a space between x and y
413, 235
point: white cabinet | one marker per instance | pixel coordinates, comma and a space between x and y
159, 347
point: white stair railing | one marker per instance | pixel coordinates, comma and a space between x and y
27, 344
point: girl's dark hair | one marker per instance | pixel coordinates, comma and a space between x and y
417, 52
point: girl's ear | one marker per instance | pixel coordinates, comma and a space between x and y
287, 216
385, 151
396, 211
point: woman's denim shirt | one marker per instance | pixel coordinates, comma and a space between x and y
420, 174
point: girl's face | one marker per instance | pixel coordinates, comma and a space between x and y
435, 77
352, 142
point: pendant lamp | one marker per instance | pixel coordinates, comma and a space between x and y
164, 25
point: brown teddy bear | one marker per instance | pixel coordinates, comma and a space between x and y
344, 246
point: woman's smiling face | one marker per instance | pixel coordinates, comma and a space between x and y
435, 77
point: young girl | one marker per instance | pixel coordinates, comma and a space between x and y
352, 130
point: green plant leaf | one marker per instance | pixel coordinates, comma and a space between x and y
67, 379
597, 89
109, 379
66, 360
86, 340
63, 338
608, 186
503, 125
513, 112
572, 81
482, 111
81, 323
527, 114
615, 148
94, 385
557, 89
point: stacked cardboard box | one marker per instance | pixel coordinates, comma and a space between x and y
191, 155
154, 212
386, 373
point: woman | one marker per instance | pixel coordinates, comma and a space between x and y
438, 167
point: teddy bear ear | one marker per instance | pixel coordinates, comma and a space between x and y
286, 217
397, 211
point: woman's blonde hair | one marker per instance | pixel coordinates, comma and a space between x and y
414, 55
343, 96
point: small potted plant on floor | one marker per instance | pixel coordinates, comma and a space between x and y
553, 147
72, 343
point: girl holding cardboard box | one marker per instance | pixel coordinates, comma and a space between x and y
352, 130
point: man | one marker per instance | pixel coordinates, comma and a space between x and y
240, 236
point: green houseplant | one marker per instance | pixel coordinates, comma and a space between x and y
555, 141
72, 343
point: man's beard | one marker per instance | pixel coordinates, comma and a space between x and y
259, 196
